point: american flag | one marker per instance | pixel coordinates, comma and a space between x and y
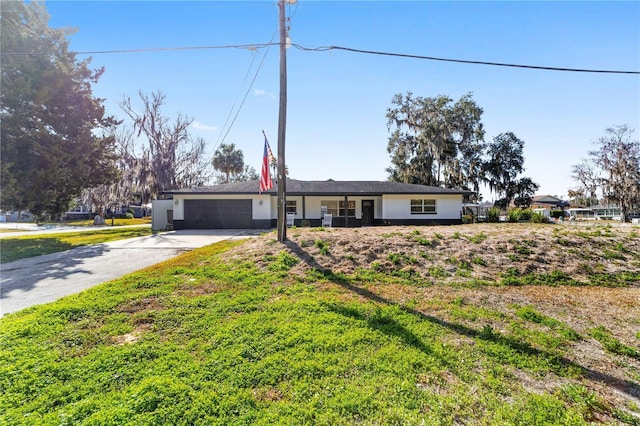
265, 177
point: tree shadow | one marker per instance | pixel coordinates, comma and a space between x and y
382, 324
558, 363
19, 277
16, 249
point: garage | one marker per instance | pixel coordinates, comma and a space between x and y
217, 214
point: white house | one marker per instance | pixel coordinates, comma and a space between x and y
352, 203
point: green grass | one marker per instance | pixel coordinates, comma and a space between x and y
36, 245
613, 345
323, 246
478, 238
116, 222
208, 338
477, 260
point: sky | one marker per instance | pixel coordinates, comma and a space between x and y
337, 101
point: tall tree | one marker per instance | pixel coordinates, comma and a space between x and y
229, 161
134, 181
504, 162
587, 177
436, 141
51, 124
171, 157
525, 188
247, 173
618, 156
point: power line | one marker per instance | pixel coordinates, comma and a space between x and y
461, 61
150, 49
346, 49
246, 94
224, 126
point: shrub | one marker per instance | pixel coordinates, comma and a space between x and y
514, 215
525, 214
129, 215
557, 213
538, 217
493, 215
467, 218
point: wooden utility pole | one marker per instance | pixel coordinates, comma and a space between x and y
282, 126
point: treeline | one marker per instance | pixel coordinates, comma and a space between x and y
439, 142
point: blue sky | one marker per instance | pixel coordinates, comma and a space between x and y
337, 101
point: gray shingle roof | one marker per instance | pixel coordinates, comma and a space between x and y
326, 187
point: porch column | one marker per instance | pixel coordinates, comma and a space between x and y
304, 207
346, 211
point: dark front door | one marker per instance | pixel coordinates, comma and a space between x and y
367, 212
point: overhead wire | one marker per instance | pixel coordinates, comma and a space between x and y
246, 94
257, 46
462, 61
150, 49
226, 121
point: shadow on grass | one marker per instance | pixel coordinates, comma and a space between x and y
382, 324
23, 275
15, 249
559, 363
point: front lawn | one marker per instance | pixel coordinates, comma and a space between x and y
35, 245
261, 333
109, 222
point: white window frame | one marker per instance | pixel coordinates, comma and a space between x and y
336, 207
291, 206
423, 206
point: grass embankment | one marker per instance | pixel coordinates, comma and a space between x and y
257, 332
35, 245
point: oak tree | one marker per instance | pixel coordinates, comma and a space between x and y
169, 157
53, 136
618, 157
504, 162
436, 141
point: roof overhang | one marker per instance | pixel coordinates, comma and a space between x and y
321, 188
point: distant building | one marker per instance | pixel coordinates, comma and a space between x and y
548, 202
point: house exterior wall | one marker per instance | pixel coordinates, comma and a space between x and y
178, 206
396, 209
159, 217
299, 208
388, 209
314, 204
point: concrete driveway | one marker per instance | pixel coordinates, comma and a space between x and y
46, 278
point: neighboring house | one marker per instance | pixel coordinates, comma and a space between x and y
601, 212
83, 211
597, 212
138, 211
79, 211
13, 216
547, 201
352, 203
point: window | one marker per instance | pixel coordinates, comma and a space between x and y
423, 206
291, 206
351, 208
337, 208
